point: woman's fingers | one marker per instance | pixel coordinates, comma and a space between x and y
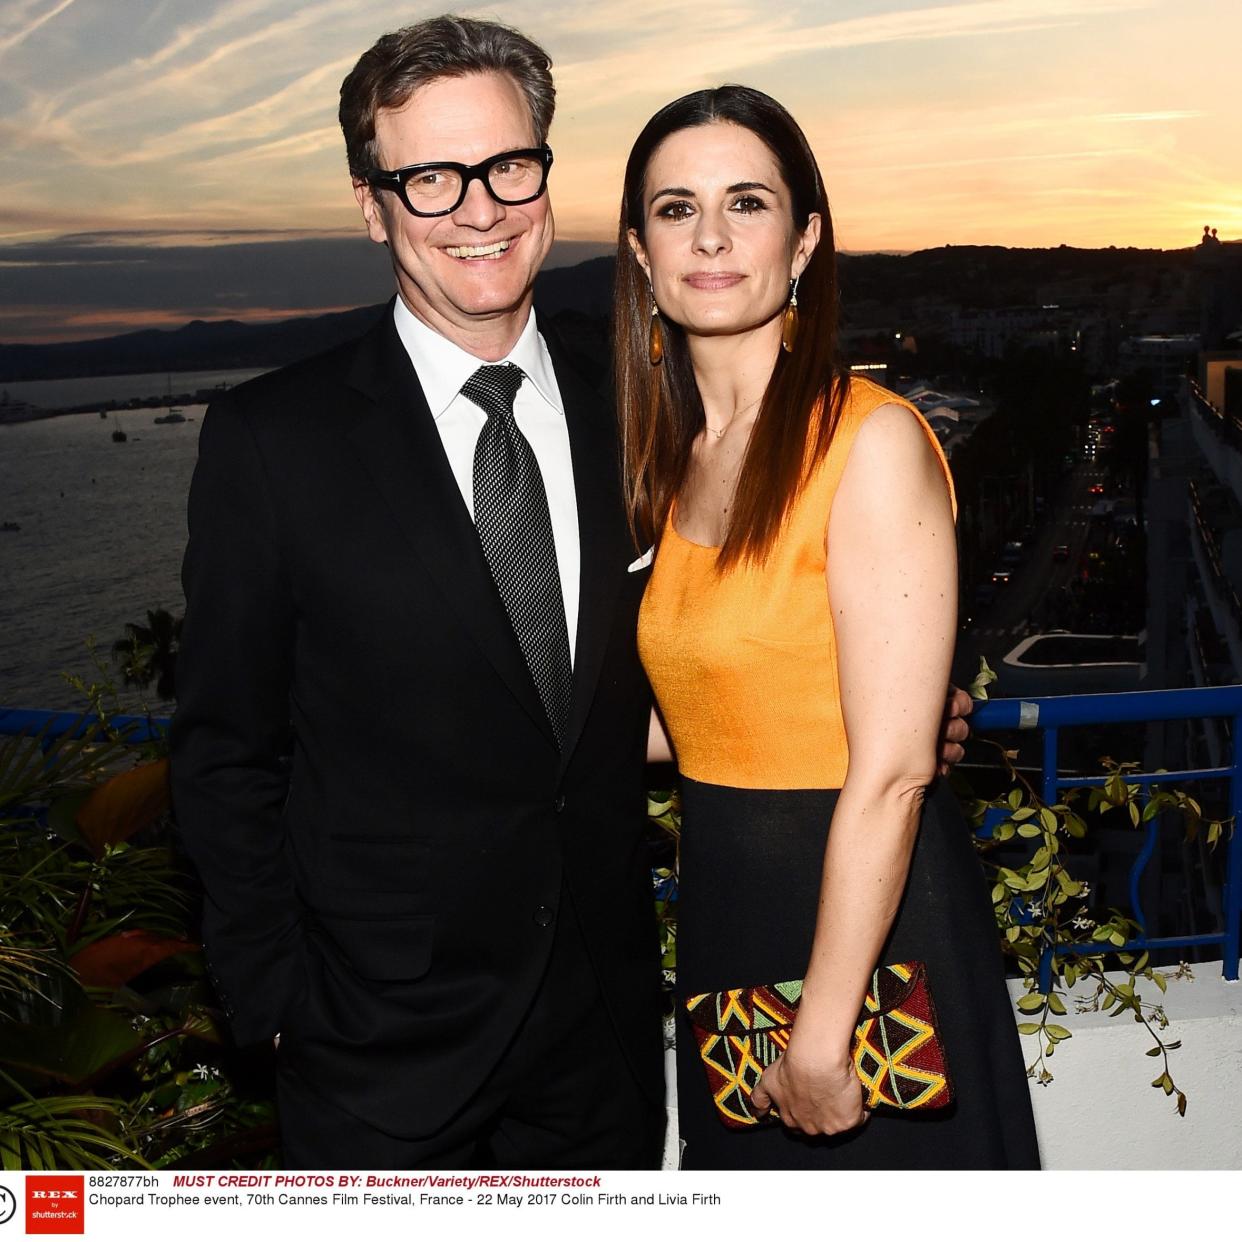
761, 1098
812, 1100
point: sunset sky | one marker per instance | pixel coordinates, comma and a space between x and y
138, 132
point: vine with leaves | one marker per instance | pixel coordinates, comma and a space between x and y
1041, 908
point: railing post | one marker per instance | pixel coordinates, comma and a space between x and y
1051, 793
1145, 855
1232, 903
1045, 970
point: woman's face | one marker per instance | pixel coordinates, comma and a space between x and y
720, 246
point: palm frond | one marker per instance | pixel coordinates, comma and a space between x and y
24, 971
56, 1133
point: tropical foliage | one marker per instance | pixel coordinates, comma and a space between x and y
148, 653
110, 1050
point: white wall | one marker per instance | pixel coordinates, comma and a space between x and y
1100, 1112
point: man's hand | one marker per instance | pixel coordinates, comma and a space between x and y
953, 728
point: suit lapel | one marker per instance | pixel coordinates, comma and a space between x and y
396, 438
601, 532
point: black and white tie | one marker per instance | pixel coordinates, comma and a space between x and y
515, 529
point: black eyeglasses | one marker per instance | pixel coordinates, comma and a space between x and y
512, 178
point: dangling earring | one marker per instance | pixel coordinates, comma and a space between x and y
789, 320
655, 338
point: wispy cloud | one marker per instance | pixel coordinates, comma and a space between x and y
306, 96
991, 160
1131, 118
183, 123
681, 44
238, 61
26, 22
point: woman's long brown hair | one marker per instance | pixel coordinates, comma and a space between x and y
659, 406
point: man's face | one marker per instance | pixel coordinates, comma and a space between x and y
468, 274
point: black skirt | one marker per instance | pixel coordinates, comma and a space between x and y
751, 865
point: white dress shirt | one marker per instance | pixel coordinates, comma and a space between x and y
442, 369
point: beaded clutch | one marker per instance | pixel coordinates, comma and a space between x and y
898, 1053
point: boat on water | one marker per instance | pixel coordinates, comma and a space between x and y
118, 433
10, 526
173, 416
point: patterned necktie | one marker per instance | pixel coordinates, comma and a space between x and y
515, 529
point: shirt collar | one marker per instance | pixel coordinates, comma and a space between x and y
443, 367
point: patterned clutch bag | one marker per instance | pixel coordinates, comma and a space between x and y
898, 1053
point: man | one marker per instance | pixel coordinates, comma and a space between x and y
409, 572
441, 902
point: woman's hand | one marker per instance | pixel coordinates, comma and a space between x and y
954, 730
819, 1095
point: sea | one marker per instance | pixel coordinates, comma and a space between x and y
102, 530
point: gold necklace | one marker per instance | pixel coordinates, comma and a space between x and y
736, 415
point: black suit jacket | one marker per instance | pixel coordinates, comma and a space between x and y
362, 769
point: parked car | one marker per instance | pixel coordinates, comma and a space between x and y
1001, 576
1061, 552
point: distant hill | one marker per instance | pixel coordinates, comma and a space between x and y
989, 276
968, 276
218, 345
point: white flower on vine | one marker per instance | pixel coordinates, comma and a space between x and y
200, 1071
1085, 891
1082, 923
1036, 909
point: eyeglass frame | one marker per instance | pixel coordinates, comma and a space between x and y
395, 180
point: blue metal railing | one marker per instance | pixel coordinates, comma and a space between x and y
1050, 715
15, 721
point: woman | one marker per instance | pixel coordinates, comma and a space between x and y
798, 629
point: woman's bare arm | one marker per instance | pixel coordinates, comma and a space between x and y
892, 569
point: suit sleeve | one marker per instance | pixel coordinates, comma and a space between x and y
231, 733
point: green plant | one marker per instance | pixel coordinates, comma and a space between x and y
1041, 908
148, 653
664, 812
57, 1132
111, 1053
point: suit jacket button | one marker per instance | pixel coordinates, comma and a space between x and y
559, 805
544, 916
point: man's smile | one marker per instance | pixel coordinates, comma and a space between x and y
490, 251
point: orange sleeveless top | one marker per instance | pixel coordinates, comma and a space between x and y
744, 664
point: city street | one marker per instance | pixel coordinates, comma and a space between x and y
1024, 603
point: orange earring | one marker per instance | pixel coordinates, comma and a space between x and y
655, 339
789, 320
